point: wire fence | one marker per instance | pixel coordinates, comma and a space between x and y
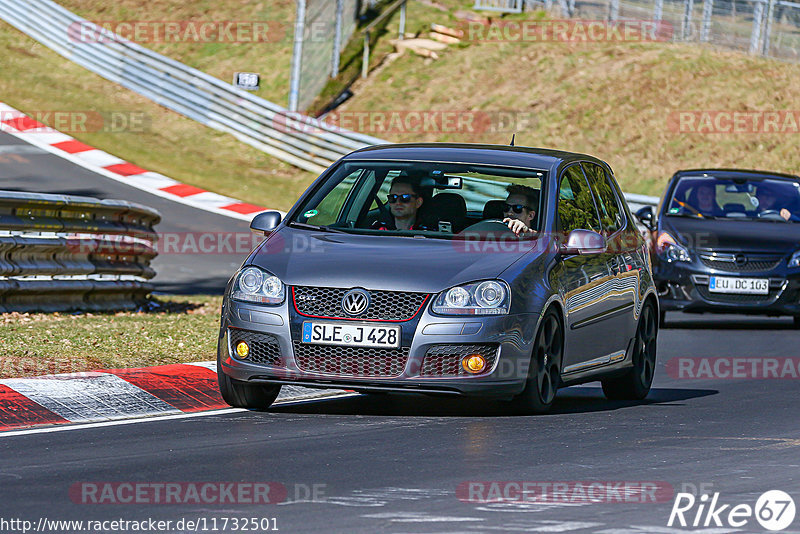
759, 27
322, 28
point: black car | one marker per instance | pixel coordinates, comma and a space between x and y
728, 241
340, 296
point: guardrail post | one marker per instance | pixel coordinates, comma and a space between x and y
686, 27
614, 10
768, 30
365, 60
297, 55
403, 21
758, 20
705, 29
337, 39
658, 10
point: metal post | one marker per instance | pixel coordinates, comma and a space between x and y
705, 29
297, 55
768, 31
614, 10
758, 20
658, 10
403, 21
686, 28
365, 60
337, 39
571, 8
564, 8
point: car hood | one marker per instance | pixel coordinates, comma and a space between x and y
734, 236
307, 257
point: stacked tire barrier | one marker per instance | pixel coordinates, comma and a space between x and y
62, 253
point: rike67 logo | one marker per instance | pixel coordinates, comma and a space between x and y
774, 510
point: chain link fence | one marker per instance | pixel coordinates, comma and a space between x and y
322, 28
763, 27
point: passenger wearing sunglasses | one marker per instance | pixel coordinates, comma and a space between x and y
404, 199
520, 209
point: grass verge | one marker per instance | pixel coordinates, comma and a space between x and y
182, 330
37, 80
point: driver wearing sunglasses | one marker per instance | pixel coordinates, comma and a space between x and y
519, 209
404, 200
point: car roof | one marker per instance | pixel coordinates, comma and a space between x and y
512, 156
735, 173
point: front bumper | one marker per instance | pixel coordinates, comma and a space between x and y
511, 338
684, 287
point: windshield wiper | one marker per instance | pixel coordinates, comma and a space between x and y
307, 226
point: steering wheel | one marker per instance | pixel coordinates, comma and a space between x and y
769, 213
487, 225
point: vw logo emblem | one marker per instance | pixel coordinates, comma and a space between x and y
355, 302
740, 259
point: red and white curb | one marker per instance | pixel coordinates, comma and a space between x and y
18, 124
115, 394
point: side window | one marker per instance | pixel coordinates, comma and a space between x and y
610, 212
576, 208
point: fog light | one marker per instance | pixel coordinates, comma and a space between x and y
474, 363
242, 349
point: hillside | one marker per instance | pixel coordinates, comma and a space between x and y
618, 101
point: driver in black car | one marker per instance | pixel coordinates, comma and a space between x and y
519, 211
768, 201
405, 199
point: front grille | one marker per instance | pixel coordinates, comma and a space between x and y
264, 348
384, 305
754, 263
445, 360
358, 362
729, 298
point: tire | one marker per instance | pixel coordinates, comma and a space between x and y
544, 371
635, 383
243, 395
797, 321
662, 315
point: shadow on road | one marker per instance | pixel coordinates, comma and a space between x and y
569, 400
727, 323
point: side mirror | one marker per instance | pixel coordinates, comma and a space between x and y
265, 222
646, 216
583, 242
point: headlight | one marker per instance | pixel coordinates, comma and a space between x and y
254, 285
794, 261
669, 250
491, 297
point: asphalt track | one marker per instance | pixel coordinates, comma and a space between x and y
24, 167
393, 464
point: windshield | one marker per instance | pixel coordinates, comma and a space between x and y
430, 199
775, 200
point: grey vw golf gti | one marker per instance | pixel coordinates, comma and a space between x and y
449, 270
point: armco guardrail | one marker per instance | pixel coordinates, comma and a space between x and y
312, 145
301, 141
60, 253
